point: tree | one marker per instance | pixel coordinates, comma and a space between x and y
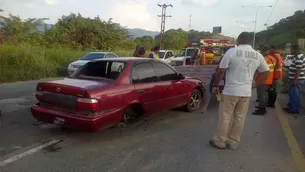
146, 41
77, 31
287, 30
17, 30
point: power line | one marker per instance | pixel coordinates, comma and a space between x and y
163, 17
271, 12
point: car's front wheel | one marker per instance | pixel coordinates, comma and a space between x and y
194, 102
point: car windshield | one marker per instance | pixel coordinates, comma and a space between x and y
100, 70
189, 52
161, 55
93, 56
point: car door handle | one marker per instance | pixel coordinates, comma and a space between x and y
140, 91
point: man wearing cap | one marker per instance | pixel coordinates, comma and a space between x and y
296, 80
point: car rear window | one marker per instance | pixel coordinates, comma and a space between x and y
93, 56
100, 70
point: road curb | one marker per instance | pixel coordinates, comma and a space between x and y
295, 149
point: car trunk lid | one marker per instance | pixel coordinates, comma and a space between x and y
65, 92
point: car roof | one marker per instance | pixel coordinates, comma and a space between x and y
126, 59
99, 52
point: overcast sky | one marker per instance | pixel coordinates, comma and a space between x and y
143, 13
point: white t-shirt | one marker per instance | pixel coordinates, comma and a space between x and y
241, 64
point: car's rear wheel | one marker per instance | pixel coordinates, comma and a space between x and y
194, 102
131, 113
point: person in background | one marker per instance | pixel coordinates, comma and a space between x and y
213, 76
141, 52
277, 75
296, 80
135, 53
285, 78
240, 64
263, 88
155, 53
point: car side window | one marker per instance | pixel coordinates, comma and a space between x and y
170, 54
107, 56
164, 72
143, 73
166, 55
114, 55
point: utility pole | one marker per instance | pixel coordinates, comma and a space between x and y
255, 21
190, 27
163, 17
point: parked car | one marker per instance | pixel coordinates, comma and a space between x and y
89, 57
166, 56
97, 97
184, 57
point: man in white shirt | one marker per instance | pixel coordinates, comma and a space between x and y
240, 64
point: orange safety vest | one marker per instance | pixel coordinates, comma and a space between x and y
278, 67
271, 63
203, 59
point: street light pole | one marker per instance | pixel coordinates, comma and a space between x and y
255, 21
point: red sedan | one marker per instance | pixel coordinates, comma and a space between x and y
97, 96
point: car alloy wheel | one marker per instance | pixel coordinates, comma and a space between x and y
195, 101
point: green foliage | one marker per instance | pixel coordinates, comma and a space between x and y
26, 62
28, 53
177, 38
287, 30
146, 41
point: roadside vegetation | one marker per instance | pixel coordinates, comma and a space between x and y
31, 49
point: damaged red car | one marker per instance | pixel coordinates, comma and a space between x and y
98, 96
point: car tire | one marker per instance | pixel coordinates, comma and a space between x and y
194, 102
131, 113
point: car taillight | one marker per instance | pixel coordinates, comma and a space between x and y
188, 61
88, 104
39, 95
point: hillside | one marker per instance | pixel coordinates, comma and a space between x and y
287, 30
135, 33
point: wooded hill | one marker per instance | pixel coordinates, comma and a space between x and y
287, 30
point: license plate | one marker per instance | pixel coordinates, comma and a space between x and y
59, 121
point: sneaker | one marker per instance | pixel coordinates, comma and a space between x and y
259, 112
213, 144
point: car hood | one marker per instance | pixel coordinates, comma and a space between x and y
178, 58
80, 62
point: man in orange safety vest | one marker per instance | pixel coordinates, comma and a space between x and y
262, 89
277, 75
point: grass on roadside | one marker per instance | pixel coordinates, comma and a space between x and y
26, 62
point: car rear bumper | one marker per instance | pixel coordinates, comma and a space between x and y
70, 120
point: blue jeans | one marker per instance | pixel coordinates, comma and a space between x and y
294, 92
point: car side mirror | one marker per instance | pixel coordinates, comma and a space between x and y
180, 76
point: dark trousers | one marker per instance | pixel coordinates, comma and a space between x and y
272, 95
262, 95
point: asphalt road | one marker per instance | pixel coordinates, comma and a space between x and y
172, 141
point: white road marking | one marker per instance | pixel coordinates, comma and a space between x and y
29, 152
